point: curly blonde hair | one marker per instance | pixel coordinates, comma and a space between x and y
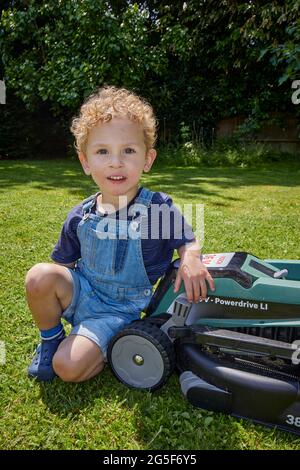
109, 102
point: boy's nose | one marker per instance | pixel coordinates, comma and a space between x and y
116, 161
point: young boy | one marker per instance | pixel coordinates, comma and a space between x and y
106, 261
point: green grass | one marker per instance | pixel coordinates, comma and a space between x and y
255, 210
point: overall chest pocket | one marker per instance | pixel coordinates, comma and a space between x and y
102, 250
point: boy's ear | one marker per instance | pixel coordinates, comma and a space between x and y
150, 157
84, 163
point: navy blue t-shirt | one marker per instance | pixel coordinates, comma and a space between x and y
157, 248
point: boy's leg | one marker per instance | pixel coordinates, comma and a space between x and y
78, 359
49, 289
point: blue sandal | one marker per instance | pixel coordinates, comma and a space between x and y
41, 365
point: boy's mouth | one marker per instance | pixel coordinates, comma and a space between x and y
117, 178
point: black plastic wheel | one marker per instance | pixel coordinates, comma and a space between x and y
141, 356
159, 320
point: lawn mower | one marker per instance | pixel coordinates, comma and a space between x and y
236, 352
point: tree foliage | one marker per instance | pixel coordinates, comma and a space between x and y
196, 61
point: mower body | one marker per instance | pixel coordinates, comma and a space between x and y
237, 351
247, 293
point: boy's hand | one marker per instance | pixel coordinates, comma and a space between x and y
194, 275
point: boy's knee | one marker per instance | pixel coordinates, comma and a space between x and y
75, 371
68, 371
39, 278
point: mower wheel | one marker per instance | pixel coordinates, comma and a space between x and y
159, 320
141, 356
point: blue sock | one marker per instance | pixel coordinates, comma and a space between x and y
52, 332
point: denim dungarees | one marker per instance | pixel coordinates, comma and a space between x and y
110, 283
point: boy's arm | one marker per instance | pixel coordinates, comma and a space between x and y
68, 245
193, 273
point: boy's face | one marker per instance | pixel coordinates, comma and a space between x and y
117, 149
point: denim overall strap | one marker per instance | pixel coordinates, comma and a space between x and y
88, 203
145, 197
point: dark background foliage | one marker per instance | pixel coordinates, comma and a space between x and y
196, 61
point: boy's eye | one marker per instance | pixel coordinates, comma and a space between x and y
129, 150
102, 151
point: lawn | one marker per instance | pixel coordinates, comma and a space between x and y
255, 210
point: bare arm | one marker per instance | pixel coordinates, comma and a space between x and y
191, 248
193, 273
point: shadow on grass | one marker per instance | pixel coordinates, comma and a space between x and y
71, 398
163, 419
186, 182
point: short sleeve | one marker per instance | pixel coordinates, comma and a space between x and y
167, 223
181, 231
67, 248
